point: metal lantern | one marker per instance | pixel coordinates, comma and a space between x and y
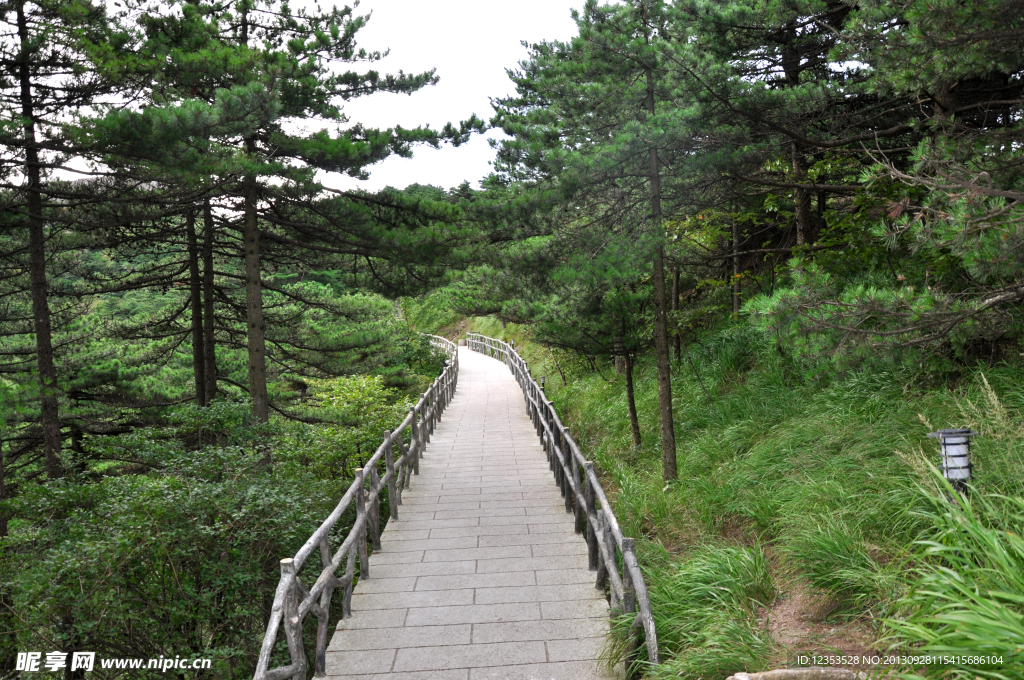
542, 383
956, 455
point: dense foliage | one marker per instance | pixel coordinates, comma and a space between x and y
793, 228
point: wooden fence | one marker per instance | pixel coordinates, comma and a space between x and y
612, 555
293, 602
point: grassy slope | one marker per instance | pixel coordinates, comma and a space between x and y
788, 491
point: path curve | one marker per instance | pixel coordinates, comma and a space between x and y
481, 577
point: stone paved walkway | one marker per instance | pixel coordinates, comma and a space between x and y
481, 577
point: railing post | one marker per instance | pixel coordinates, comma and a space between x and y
292, 625
629, 609
322, 630
414, 442
580, 512
364, 559
590, 501
602, 566
389, 461
609, 540
350, 570
374, 509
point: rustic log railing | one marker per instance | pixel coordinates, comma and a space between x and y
611, 554
293, 602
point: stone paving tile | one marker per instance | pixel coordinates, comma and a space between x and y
491, 512
473, 656
498, 553
573, 610
539, 630
482, 577
570, 593
475, 613
488, 531
554, 577
459, 674
422, 569
554, 528
360, 661
573, 650
431, 524
382, 618
497, 520
515, 578
369, 586
383, 558
431, 544
394, 638
560, 548
390, 534
566, 670
531, 563
523, 538
428, 598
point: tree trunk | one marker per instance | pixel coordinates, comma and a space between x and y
8, 647
209, 346
254, 305
735, 270
49, 415
802, 199
668, 434
634, 421
677, 338
196, 290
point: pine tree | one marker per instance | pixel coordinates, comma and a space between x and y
52, 58
587, 135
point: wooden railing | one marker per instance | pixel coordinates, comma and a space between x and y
611, 554
293, 602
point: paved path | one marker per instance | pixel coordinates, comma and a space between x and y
481, 577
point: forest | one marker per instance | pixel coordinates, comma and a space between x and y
759, 250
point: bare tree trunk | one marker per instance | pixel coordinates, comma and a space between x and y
634, 421
196, 291
668, 434
677, 338
49, 415
3, 497
254, 305
209, 346
8, 649
735, 270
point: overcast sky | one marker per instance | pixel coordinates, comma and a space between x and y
470, 43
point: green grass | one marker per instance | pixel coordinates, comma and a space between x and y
830, 480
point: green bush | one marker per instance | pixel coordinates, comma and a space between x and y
168, 564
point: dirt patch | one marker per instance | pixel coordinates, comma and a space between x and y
799, 622
455, 332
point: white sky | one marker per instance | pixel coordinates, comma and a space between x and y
470, 43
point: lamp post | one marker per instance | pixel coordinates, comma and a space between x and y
956, 456
542, 384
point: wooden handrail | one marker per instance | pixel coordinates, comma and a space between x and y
586, 499
292, 601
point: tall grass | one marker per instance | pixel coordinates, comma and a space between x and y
967, 601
